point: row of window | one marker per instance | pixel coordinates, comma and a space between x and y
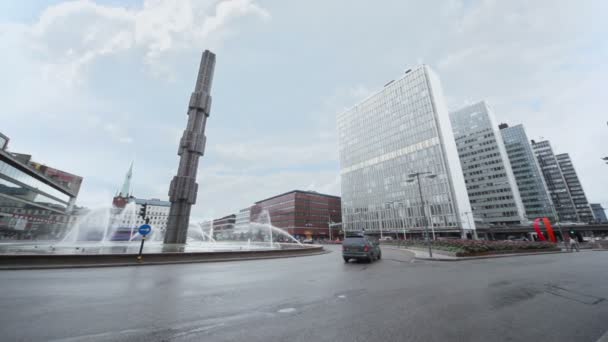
11, 172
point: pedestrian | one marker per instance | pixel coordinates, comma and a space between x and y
573, 244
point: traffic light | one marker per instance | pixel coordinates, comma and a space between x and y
572, 233
142, 211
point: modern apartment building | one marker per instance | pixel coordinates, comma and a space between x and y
489, 179
530, 182
386, 139
583, 210
556, 183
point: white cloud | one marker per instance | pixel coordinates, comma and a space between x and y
71, 35
58, 109
76, 87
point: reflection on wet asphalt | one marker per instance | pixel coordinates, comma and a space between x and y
316, 298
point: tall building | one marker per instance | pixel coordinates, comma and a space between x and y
400, 130
583, 210
35, 200
303, 214
556, 183
530, 182
599, 213
489, 179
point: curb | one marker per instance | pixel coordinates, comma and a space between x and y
451, 258
152, 263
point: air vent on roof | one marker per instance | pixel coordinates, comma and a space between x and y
408, 70
389, 82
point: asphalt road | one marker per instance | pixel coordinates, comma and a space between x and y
317, 298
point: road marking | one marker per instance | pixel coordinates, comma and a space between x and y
604, 337
198, 330
287, 310
341, 296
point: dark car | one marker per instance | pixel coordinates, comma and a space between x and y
361, 247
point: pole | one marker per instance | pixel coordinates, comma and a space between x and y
426, 228
559, 226
141, 247
380, 222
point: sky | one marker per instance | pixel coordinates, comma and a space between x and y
89, 86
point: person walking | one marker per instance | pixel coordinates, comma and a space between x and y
573, 244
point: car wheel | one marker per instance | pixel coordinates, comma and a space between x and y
346, 259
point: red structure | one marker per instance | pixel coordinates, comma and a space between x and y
550, 231
303, 214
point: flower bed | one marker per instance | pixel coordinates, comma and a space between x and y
482, 247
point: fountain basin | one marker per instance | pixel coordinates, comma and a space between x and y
170, 254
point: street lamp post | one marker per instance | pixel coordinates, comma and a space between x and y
416, 177
380, 222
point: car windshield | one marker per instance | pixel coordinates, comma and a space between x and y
354, 241
312, 170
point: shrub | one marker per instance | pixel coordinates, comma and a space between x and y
472, 247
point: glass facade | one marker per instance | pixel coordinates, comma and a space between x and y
532, 188
403, 128
556, 183
488, 176
31, 204
583, 210
242, 219
599, 213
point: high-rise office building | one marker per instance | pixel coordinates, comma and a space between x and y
384, 140
530, 182
491, 186
556, 183
583, 210
599, 213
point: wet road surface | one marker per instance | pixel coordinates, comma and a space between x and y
317, 298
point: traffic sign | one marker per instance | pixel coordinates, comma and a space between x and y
145, 229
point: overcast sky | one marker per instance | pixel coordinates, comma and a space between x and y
89, 86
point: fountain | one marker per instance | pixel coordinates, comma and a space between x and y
111, 230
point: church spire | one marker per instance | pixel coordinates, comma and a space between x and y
126, 185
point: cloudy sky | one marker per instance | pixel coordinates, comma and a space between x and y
87, 86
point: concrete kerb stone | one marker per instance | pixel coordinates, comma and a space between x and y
423, 255
236, 256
